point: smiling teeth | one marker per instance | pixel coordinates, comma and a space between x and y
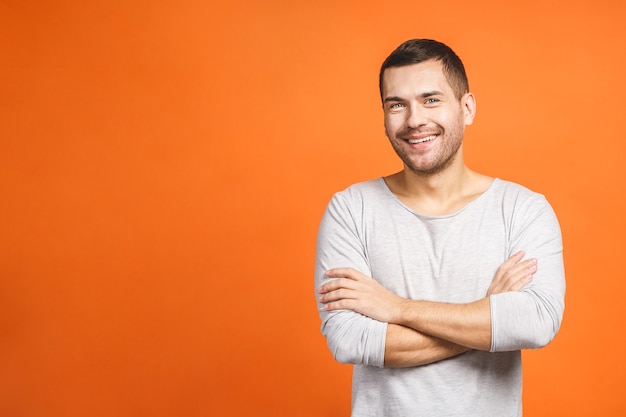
426, 139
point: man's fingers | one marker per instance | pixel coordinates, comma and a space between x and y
513, 274
513, 271
334, 285
515, 258
342, 272
343, 304
519, 284
335, 295
345, 278
528, 266
510, 264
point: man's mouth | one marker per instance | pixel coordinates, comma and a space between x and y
422, 140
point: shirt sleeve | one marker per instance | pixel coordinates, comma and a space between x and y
351, 337
531, 318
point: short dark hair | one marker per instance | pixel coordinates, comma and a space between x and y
415, 51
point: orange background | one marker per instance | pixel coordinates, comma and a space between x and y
164, 166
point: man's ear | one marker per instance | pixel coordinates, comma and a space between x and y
468, 102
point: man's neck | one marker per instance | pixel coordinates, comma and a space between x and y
441, 193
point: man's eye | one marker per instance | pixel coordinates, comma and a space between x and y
396, 106
432, 100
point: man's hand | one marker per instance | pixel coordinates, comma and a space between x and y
352, 290
513, 274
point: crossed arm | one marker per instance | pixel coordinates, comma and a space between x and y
421, 332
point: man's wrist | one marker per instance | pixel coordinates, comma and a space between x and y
406, 313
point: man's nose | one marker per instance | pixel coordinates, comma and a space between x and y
416, 117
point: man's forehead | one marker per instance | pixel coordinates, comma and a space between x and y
427, 75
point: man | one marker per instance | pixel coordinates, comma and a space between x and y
431, 280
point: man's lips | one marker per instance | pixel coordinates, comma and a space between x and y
423, 138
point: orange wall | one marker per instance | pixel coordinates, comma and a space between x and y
164, 166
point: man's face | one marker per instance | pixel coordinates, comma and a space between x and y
424, 121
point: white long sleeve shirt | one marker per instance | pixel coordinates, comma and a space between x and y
452, 259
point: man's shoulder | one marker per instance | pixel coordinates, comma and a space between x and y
361, 197
517, 197
362, 189
513, 189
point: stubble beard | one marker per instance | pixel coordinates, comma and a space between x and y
450, 143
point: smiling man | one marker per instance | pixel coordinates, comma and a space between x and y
432, 280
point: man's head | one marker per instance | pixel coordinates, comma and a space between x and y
416, 51
426, 104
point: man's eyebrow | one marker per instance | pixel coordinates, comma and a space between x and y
392, 98
425, 94
431, 93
